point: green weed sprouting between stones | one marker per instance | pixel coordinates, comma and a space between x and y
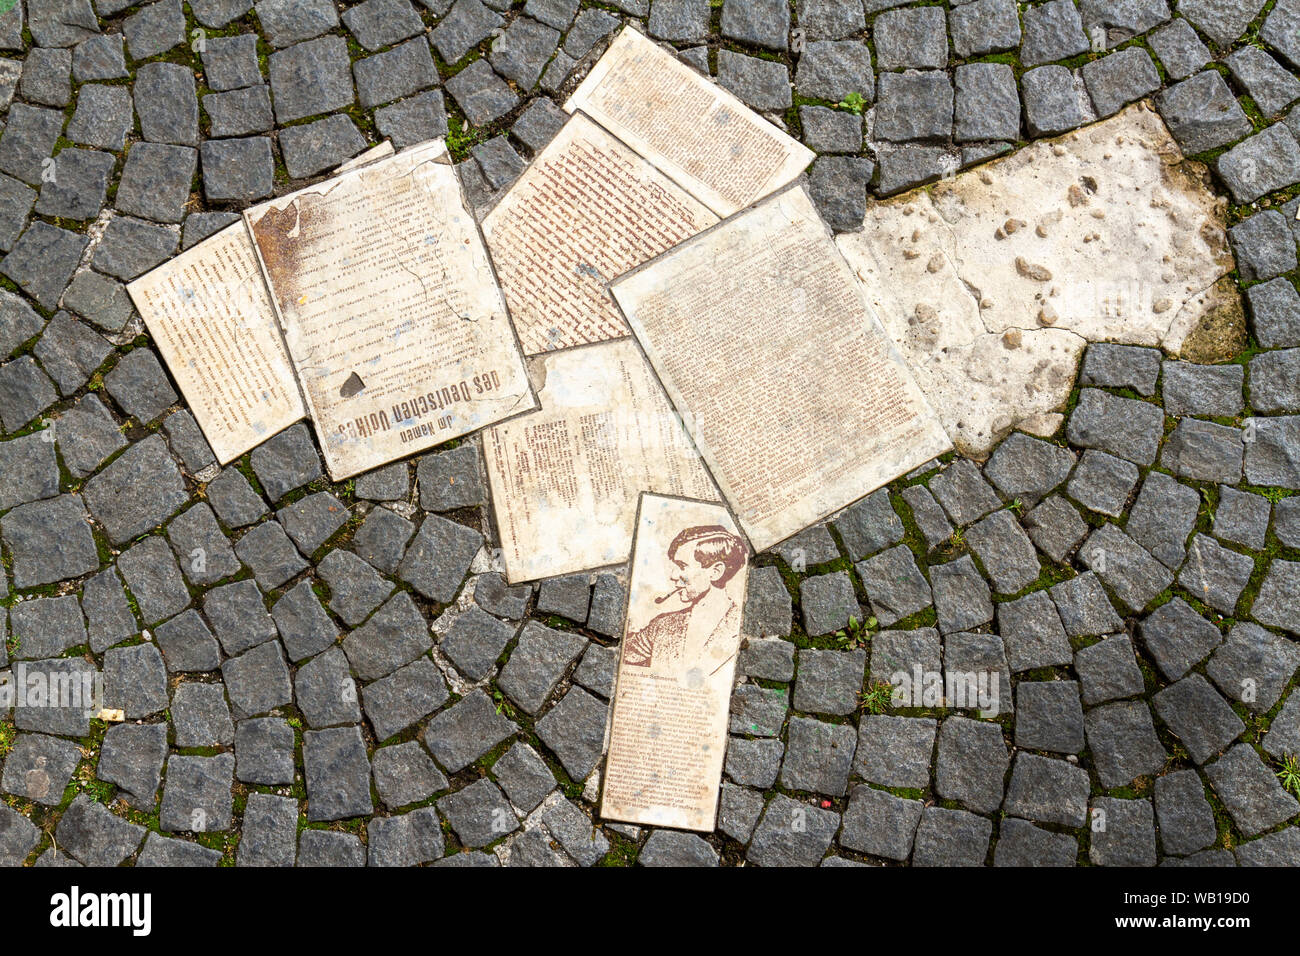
876, 699
853, 636
853, 103
1290, 773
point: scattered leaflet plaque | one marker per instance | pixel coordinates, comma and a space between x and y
792, 391
565, 478
586, 210
390, 309
668, 730
692, 130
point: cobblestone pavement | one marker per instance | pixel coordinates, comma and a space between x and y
331, 674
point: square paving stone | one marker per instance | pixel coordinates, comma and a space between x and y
961, 596
86, 435
1124, 427
380, 23
313, 520
1108, 670
1054, 101
156, 181
197, 797
310, 78
829, 682
1005, 550
270, 555
96, 836
258, 680
678, 21
818, 756
538, 124
187, 645
47, 77
1198, 716
1163, 516
41, 263
264, 751
289, 21
404, 774
880, 824
154, 28
830, 131
1269, 460
1049, 716
406, 840
1032, 633
911, 38
70, 721
167, 104
108, 615
759, 711
390, 483
556, 13
1121, 366
154, 579
409, 694
583, 842
868, 525
1249, 790
828, 602
1275, 381
897, 655
1103, 483
1281, 848
1179, 49
132, 757
1055, 528
439, 557
46, 627
971, 763
524, 776
1123, 742
474, 642
767, 658
103, 118
79, 184
467, 24
568, 596
401, 71
268, 831
39, 768
230, 63
754, 762
325, 691
204, 552
1178, 638
396, 635
914, 105
1123, 833
669, 848
131, 247
951, 838
1119, 79
239, 112
451, 479
29, 470
495, 596
1260, 164
479, 814
1191, 389
1052, 31
100, 299
763, 23
964, 493
238, 616
1048, 791
832, 69
1263, 245
1185, 819
1022, 844
28, 140
1128, 570
70, 352
240, 170
574, 730
1215, 574
987, 105
761, 84
895, 751
767, 605
1265, 80
337, 772
466, 731
201, 717
522, 51
330, 848
536, 665
828, 18
987, 26
234, 499
286, 462
738, 811
792, 833
381, 539
19, 322
1029, 468
597, 669
1254, 666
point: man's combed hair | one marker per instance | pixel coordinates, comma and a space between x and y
713, 543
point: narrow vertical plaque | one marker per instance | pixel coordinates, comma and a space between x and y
668, 733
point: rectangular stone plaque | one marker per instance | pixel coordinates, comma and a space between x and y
792, 391
668, 729
208, 312
698, 134
565, 478
586, 209
390, 309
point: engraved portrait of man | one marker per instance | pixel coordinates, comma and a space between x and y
701, 620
